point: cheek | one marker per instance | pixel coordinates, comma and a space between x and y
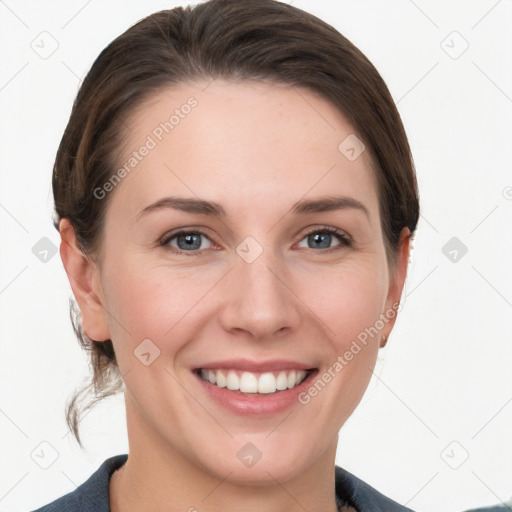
349, 304
144, 302
153, 301
349, 300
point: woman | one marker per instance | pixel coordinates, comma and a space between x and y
236, 198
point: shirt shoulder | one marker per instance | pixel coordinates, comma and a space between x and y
362, 496
92, 495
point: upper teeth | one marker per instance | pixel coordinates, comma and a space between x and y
249, 382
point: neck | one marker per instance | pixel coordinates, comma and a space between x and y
158, 477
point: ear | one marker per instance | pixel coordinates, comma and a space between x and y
396, 284
84, 278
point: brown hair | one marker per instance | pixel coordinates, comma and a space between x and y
262, 40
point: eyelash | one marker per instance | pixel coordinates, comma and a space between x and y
345, 240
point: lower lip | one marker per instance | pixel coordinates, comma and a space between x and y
256, 404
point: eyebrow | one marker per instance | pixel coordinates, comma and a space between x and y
211, 208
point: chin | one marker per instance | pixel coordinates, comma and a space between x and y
261, 474
259, 460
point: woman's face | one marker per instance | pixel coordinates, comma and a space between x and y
255, 292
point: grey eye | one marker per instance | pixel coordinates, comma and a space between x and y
188, 241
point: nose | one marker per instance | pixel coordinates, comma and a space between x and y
259, 299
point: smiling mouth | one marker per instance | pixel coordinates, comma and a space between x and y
254, 382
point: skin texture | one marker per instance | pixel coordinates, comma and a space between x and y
256, 149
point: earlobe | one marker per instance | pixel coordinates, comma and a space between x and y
396, 283
83, 275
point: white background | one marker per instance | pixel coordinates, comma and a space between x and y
445, 375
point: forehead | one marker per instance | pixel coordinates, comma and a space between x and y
245, 143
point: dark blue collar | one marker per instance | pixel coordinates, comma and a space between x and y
93, 494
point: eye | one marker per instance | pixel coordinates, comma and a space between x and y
187, 242
190, 242
322, 238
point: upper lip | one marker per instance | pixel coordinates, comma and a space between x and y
256, 366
